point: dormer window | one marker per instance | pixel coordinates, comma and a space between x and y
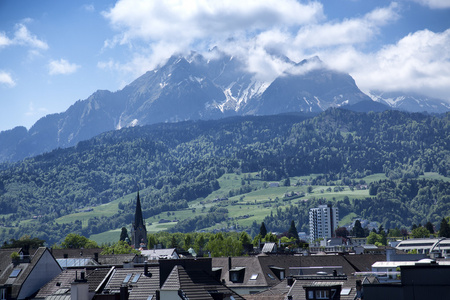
237, 275
279, 272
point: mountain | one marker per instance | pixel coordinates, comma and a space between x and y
411, 102
307, 86
367, 105
179, 163
192, 87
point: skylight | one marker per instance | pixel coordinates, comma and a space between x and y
136, 278
346, 291
15, 273
254, 276
127, 278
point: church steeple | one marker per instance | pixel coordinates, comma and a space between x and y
138, 230
138, 219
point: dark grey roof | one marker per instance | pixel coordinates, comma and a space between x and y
277, 292
364, 262
59, 283
115, 259
5, 259
76, 253
250, 265
297, 290
196, 284
141, 289
25, 270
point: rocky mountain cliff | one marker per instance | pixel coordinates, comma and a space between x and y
188, 88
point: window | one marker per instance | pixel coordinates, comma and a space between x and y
346, 291
281, 275
136, 278
322, 294
127, 278
15, 273
310, 294
234, 277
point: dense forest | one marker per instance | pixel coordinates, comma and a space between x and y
176, 163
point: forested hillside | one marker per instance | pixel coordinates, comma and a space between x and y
178, 163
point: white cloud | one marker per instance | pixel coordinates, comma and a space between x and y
160, 28
347, 32
176, 20
6, 79
261, 32
419, 62
4, 40
22, 37
62, 66
435, 4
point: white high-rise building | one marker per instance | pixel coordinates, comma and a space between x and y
323, 221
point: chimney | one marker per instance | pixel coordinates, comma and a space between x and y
290, 280
358, 289
79, 289
229, 263
146, 272
124, 292
96, 256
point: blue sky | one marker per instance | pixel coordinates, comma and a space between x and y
53, 53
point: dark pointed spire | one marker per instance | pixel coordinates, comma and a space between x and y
138, 219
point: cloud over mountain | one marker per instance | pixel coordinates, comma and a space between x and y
263, 32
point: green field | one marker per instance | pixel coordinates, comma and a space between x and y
255, 205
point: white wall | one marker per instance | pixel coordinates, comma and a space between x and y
45, 270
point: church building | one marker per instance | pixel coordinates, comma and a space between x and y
138, 229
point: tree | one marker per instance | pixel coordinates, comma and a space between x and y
173, 242
77, 241
342, 232
444, 231
429, 226
199, 244
187, 241
292, 232
256, 240
25, 242
219, 246
244, 238
152, 241
420, 232
374, 239
262, 229
270, 238
394, 232
121, 247
124, 234
358, 231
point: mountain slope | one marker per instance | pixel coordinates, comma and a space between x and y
411, 102
179, 162
194, 87
312, 90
